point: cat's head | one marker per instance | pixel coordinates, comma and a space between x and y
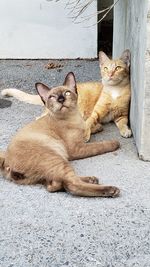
59, 100
114, 71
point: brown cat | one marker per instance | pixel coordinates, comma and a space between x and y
40, 151
99, 102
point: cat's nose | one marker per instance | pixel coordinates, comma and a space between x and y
111, 74
61, 99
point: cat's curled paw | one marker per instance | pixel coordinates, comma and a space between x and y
90, 179
93, 180
126, 133
87, 135
113, 191
96, 128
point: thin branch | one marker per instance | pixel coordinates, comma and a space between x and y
78, 7
87, 17
83, 9
108, 10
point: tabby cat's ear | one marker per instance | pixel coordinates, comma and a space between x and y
125, 57
102, 58
43, 91
70, 82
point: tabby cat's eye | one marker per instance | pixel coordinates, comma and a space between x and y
67, 93
105, 69
118, 68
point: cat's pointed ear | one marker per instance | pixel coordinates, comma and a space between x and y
126, 57
102, 58
70, 82
43, 91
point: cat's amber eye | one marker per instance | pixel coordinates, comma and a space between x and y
118, 68
105, 69
67, 93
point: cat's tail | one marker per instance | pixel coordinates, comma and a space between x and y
22, 96
80, 188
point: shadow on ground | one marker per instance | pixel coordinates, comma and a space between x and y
5, 103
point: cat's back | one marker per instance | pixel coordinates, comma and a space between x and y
92, 89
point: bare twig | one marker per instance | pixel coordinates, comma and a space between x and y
84, 7
107, 10
78, 7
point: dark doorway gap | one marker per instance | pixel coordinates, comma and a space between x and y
105, 28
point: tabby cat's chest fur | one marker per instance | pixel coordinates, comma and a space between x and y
113, 93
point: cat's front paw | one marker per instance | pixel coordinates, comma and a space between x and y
126, 133
87, 135
96, 128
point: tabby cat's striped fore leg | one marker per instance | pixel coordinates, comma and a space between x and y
90, 123
99, 112
96, 128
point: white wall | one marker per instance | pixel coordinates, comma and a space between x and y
42, 29
132, 30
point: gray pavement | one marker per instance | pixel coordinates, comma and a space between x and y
42, 229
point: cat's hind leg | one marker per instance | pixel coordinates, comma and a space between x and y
57, 173
122, 124
63, 176
79, 188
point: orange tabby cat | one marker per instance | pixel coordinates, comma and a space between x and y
99, 102
113, 102
40, 152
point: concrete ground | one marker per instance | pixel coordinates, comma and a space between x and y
42, 229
